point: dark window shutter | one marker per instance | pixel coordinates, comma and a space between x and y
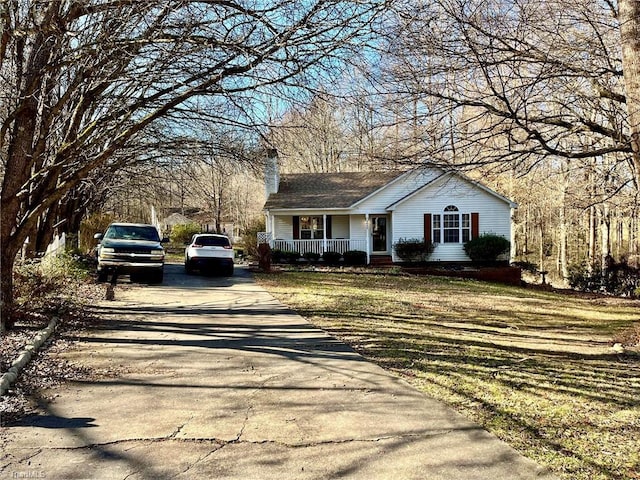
475, 225
328, 232
427, 228
296, 228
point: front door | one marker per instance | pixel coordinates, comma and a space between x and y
379, 234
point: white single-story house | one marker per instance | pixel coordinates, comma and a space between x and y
371, 211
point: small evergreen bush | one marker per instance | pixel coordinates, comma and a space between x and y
355, 257
284, 256
291, 256
277, 255
486, 248
413, 249
311, 257
331, 258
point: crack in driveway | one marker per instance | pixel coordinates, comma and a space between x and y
238, 441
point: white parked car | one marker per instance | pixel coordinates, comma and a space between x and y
209, 252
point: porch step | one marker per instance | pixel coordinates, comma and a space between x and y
381, 260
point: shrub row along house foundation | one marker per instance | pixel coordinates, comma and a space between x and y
372, 211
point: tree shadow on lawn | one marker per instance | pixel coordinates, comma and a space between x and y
504, 382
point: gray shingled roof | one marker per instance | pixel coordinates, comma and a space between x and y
327, 190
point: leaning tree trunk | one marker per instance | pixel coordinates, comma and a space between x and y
629, 18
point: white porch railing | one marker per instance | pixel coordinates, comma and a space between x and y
318, 246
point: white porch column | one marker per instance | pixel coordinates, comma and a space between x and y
324, 233
512, 236
273, 230
368, 236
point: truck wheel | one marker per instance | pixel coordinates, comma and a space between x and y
157, 277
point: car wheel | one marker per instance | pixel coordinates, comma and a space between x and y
188, 268
228, 272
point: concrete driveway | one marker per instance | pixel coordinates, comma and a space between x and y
206, 377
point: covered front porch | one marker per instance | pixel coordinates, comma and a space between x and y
321, 232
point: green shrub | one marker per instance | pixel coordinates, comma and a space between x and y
181, 234
311, 257
486, 248
291, 256
277, 255
584, 277
413, 249
617, 278
331, 258
284, 256
355, 257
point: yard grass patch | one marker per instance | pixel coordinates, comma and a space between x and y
536, 368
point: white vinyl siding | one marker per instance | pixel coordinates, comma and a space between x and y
340, 226
390, 194
408, 217
358, 227
283, 227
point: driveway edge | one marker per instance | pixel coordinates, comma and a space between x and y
25, 355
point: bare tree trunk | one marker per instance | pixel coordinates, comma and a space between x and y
541, 246
629, 18
563, 268
564, 228
592, 235
605, 231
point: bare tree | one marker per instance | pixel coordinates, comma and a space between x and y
311, 138
81, 81
514, 81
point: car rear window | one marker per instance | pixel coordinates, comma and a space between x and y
212, 241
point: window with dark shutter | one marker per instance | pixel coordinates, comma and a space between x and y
427, 228
296, 228
475, 225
